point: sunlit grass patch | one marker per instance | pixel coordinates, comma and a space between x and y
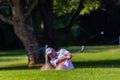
94, 63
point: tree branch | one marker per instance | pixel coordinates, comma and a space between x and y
75, 15
30, 9
6, 20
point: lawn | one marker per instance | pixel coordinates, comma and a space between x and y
94, 63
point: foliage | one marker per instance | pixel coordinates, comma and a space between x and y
0, 1
90, 5
75, 30
62, 7
117, 2
5, 10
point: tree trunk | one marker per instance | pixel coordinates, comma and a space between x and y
25, 33
30, 43
47, 16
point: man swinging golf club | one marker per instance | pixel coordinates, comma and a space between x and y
61, 60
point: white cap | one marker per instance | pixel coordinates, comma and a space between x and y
49, 50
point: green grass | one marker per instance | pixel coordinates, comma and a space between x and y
94, 63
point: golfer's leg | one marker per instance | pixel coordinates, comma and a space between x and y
60, 66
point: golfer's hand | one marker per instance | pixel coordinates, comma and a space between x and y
68, 57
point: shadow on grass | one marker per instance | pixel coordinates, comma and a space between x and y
13, 53
22, 67
89, 64
98, 64
5, 60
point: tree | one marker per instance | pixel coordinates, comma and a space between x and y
73, 10
21, 20
22, 24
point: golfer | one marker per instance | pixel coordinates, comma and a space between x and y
61, 60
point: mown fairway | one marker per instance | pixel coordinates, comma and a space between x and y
94, 63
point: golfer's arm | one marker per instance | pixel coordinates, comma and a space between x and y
61, 60
67, 57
